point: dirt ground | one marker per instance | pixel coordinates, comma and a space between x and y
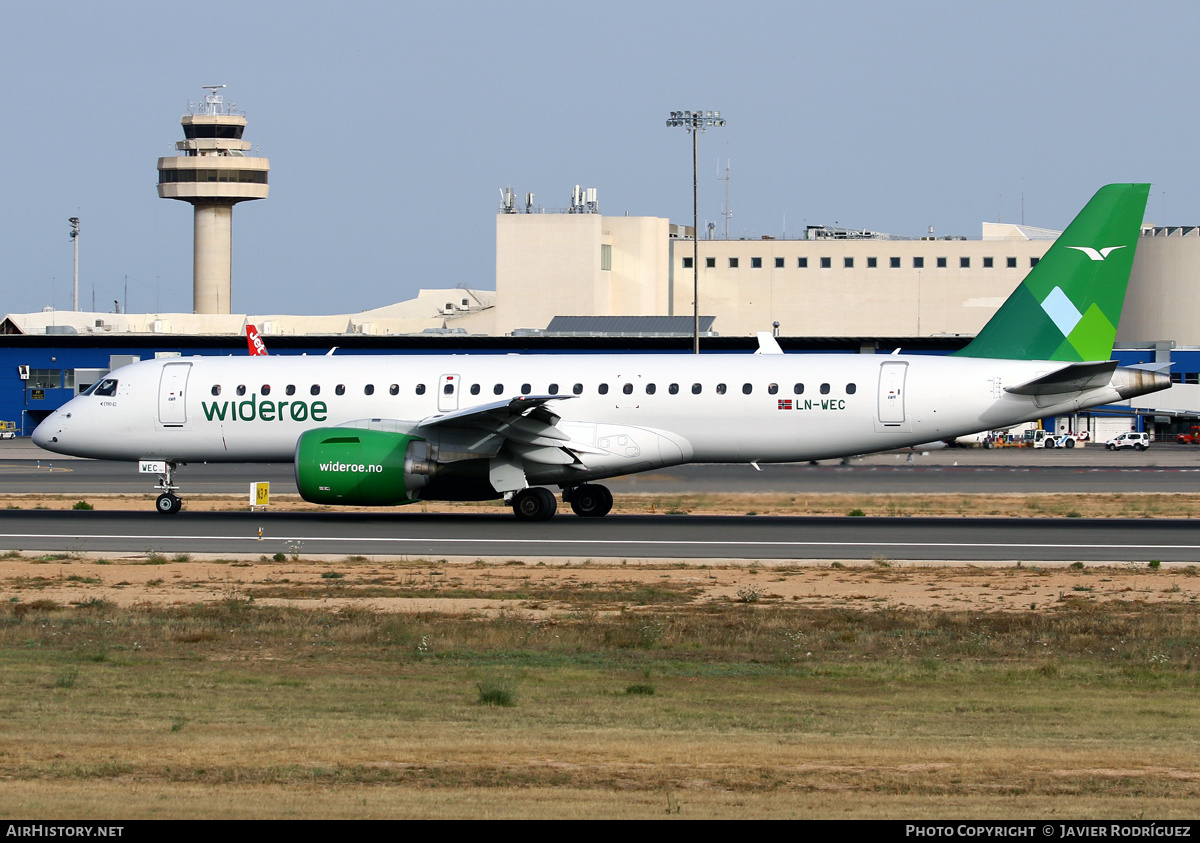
407, 585
498, 585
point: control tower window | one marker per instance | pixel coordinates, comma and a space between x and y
203, 130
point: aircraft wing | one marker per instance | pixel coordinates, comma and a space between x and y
529, 407
528, 425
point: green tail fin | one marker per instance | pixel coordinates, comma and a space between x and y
1068, 306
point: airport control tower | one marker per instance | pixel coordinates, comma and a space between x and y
214, 173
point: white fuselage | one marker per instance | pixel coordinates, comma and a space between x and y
683, 408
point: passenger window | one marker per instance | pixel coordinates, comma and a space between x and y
526, 389
420, 389
747, 388
448, 389
627, 388
474, 389
340, 389
577, 389
553, 390
602, 389
216, 390
394, 389
824, 389
291, 389
696, 389
498, 389
369, 389
266, 389
241, 390
651, 389
798, 389
315, 389
673, 389
851, 389
772, 389
720, 389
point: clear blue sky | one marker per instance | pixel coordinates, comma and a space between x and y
392, 126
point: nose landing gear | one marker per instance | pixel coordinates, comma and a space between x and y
168, 503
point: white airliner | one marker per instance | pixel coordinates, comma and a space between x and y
383, 430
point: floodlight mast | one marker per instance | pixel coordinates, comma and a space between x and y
75, 241
695, 122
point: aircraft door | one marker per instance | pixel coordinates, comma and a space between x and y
891, 393
172, 388
448, 386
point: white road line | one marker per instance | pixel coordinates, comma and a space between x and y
617, 542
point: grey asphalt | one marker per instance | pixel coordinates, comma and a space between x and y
25, 469
412, 534
408, 532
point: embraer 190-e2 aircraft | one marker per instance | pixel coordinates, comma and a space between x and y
385, 430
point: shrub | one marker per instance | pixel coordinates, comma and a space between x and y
750, 593
82, 505
498, 690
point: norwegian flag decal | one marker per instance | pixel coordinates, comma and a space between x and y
785, 403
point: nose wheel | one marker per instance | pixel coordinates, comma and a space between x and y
168, 503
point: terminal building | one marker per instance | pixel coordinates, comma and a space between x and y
573, 277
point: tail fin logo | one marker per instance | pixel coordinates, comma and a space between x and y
1062, 311
1094, 254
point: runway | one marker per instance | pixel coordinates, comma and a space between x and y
1169, 469
408, 532
616, 537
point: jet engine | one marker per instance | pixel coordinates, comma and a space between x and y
355, 467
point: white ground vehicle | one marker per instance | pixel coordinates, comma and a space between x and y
1137, 441
1048, 439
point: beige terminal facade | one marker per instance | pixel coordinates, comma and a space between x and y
835, 284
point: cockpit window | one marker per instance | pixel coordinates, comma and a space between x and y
105, 389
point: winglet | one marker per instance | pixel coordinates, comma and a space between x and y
1069, 305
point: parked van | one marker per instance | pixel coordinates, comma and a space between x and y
1137, 441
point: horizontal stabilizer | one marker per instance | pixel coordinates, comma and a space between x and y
1077, 377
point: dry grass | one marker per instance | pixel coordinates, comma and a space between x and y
242, 706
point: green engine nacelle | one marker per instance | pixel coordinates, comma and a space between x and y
347, 466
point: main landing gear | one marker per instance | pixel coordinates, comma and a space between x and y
168, 503
534, 504
537, 504
590, 500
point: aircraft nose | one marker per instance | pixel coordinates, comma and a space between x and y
45, 435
